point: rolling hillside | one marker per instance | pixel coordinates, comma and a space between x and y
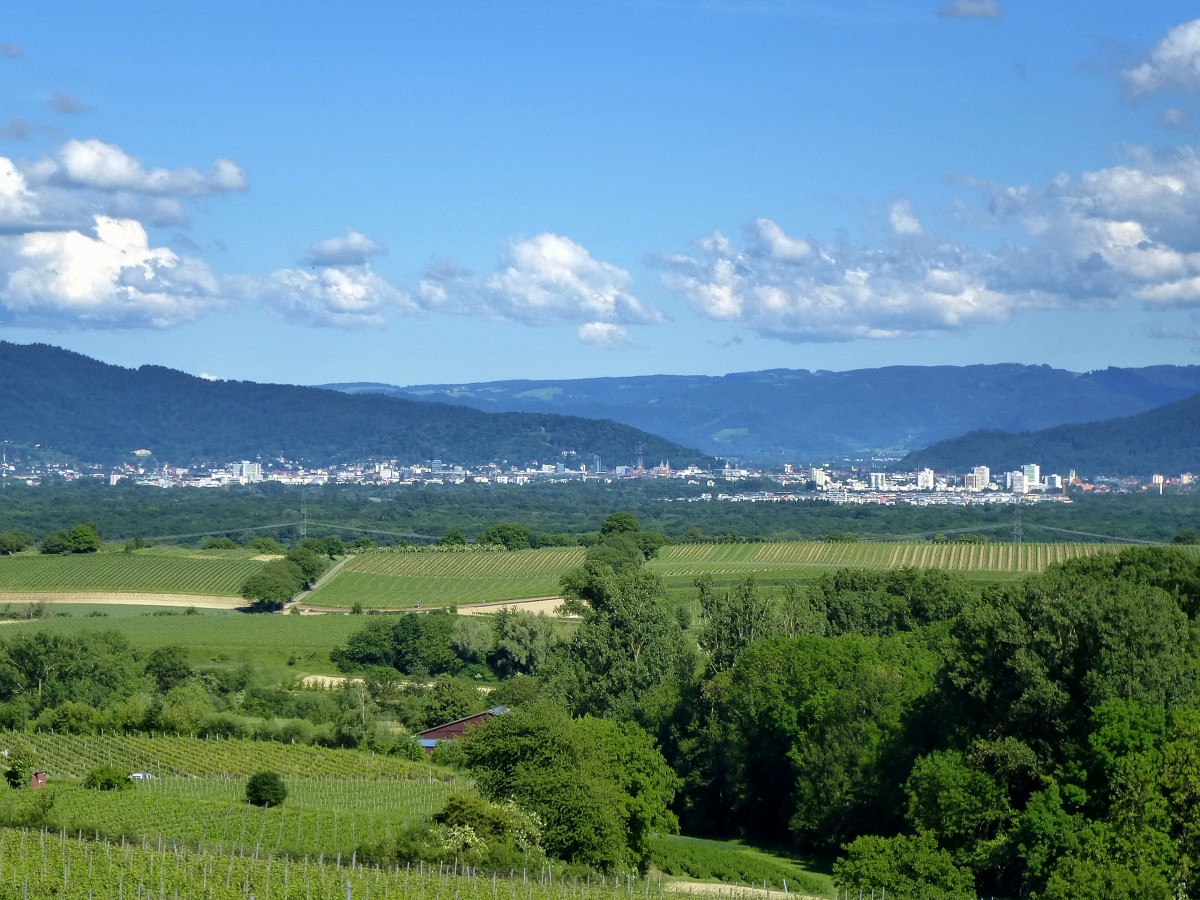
1164, 440
794, 415
87, 410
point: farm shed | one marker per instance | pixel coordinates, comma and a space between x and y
431, 737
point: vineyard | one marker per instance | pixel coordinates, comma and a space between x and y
209, 573
403, 580
330, 816
72, 756
70, 866
731, 559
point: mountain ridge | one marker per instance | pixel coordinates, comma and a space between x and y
97, 412
798, 415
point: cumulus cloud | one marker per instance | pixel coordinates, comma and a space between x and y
337, 297
970, 9
108, 277
1097, 239
62, 102
838, 292
350, 249
11, 50
903, 220
605, 334
106, 167
547, 279
1173, 64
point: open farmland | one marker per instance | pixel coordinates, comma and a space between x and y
221, 638
437, 578
211, 573
777, 562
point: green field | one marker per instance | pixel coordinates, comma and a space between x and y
220, 637
732, 862
329, 816
56, 864
432, 578
73, 756
219, 573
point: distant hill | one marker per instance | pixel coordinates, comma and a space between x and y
1164, 441
782, 415
92, 411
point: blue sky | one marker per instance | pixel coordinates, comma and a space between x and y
463, 191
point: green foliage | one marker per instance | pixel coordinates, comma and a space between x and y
265, 789
219, 543
20, 765
107, 778
273, 585
629, 655
599, 788
14, 541
168, 666
80, 539
453, 538
267, 545
509, 535
907, 868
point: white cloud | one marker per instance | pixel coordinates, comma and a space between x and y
777, 244
346, 297
1098, 239
838, 292
541, 280
350, 249
17, 202
106, 167
1173, 64
970, 9
605, 334
62, 102
109, 278
903, 220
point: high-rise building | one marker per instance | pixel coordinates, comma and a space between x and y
879, 481
1033, 476
925, 480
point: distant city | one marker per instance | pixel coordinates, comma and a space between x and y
850, 482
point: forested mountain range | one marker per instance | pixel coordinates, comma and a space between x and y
92, 411
794, 415
1165, 440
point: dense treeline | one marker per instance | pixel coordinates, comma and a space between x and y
1037, 738
388, 514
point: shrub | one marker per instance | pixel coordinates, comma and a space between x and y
107, 778
266, 789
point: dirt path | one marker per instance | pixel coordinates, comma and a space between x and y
546, 605
125, 598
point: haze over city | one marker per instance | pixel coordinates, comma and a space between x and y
430, 192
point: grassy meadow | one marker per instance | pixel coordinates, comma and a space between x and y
214, 638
